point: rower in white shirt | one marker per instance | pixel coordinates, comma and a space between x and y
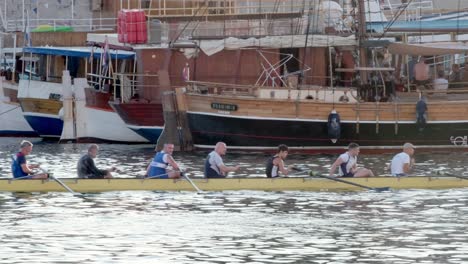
403, 161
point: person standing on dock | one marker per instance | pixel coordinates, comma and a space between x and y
275, 164
347, 164
214, 165
159, 166
20, 167
403, 162
88, 170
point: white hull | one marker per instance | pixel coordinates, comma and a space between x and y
104, 125
95, 124
12, 122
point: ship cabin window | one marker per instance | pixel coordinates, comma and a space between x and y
29, 68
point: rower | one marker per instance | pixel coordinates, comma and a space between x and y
276, 163
88, 170
19, 166
159, 166
214, 166
403, 162
347, 164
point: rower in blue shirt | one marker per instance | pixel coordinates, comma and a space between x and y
20, 168
163, 166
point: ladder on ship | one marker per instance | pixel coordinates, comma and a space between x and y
377, 109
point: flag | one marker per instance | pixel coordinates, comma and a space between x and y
106, 50
91, 55
27, 33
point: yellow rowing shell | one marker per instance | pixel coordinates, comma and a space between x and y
257, 184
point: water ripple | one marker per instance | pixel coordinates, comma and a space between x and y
405, 226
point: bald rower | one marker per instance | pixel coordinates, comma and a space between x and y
214, 166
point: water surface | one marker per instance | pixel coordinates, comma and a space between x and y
404, 226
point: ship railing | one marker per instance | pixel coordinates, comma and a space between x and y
241, 28
412, 11
238, 7
451, 94
129, 86
77, 24
213, 88
304, 92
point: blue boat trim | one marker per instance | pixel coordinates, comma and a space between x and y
152, 134
45, 126
18, 133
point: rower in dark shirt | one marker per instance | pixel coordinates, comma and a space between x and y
88, 170
275, 164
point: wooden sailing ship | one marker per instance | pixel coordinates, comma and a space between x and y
312, 116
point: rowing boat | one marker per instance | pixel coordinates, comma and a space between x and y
258, 184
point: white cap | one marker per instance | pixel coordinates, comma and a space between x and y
408, 145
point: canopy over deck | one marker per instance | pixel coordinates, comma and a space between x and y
428, 49
80, 52
456, 26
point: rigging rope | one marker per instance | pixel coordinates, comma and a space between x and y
394, 19
191, 20
458, 18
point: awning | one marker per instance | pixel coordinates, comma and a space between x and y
80, 52
428, 49
210, 47
458, 26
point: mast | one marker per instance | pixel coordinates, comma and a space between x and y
362, 37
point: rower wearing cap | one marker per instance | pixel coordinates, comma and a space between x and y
403, 161
347, 164
159, 166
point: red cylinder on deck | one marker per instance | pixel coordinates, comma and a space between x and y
131, 26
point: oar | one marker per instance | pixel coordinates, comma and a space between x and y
183, 175
299, 171
21, 178
379, 189
62, 184
160, 175
452, 175
312, 173
191, 182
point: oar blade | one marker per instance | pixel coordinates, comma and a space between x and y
382, 189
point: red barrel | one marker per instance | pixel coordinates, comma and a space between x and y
131, 26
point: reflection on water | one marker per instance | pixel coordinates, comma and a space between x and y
408, 226
236, 227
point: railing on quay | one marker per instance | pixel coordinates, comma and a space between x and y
80, 25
